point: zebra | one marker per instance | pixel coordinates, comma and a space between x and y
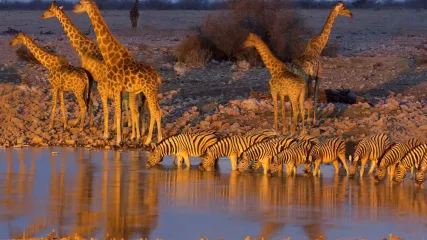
261, 153
232, 147
370, 148
326, 152
412, 159
393, 156
182, 145
292, 157
421, 171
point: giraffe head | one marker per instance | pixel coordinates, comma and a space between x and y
251, 40
343, 10
83, 6
18, 39
51, 11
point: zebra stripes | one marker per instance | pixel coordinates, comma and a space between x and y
232, 147
261, 153
393, 156
412, 159
291, 157
421, 171
370, 148
182, 145
329, 151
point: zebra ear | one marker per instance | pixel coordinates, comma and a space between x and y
61, 7
153, 146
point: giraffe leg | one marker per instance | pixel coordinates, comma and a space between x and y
155, 116
135, 116
128, 114
284, 123
309, 96
302, 111
117, 113
64, 115
316, 96
341, 156
82, 109
276, 109
104, 99
52, 115
294, 103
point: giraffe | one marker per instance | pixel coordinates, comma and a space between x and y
90, 57
282, 83
309, 61
125, 73
62, 77
134, 14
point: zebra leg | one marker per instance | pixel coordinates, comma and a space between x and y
412, 172
294, 170
316, 167
233, 161
265, 164
336, 166
179, 160
362, 166
343, 161
289, 169
392, 169
186, 160
373, 165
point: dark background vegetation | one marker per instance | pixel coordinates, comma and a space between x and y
209, 5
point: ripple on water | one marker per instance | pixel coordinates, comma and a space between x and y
95, 192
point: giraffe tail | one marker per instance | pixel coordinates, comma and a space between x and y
88, 90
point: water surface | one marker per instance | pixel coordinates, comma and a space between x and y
97, 192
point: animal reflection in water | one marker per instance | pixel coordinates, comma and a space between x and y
94, 193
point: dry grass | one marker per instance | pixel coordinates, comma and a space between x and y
193, 51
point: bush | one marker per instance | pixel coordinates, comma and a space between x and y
273, 20
193, 51
331, 48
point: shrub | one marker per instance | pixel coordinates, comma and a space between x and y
193, 51
331, 48
273, 20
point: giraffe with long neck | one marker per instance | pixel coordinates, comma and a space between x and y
124, 72
309, 61
62, 77
134, 14
282, 83
91, 60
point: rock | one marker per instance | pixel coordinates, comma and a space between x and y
234, 127
70, 142
216, 124
21, 140
37, 140
250, 105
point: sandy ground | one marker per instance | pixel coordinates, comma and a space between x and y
380, 52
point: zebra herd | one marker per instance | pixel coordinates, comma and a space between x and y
266, 149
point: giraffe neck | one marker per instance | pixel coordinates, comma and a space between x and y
76, 37
47, 59
136, 5
270, 61
320, 40
96, 68
111, 48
